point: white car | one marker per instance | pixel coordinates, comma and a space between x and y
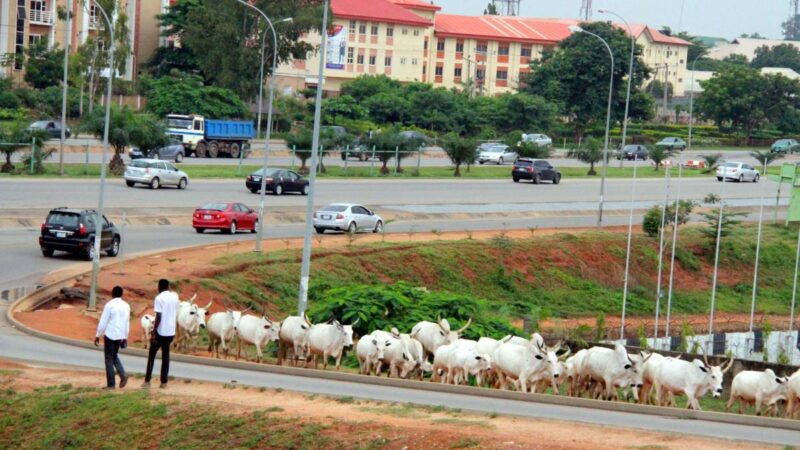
496, 153
155, 173
347, 217
538, 139
737, 171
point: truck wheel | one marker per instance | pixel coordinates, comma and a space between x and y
235, 149
213, 149
200, 150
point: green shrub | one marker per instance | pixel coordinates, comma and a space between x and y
651, 223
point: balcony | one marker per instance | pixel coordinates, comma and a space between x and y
41, 17
94, 22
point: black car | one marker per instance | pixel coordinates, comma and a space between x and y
278, 181
634, 152
536, 170
51, 127
171, 152
73, 230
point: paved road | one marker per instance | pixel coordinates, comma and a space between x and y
14, 344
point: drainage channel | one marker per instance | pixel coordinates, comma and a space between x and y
15, 293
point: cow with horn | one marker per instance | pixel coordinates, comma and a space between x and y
433, 335
691, 378
191, 318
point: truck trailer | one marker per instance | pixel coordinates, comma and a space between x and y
210, 137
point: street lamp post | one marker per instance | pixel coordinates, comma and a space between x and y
691, 103
630, 78
577, 29
758, 250
716, 257
64, 89
262, 193
98, 231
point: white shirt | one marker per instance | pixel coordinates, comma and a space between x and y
115, 320
167, 304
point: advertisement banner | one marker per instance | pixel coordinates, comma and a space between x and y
337, 47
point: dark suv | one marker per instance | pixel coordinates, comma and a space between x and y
72, 230
536, 170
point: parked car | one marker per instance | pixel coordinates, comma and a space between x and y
737, 171
362, 152
536, 170
155, 173
347, 217
539, 139
634, 152
785, 146
496, 153
278, 181
52, 127
73, 230
171, 152
672, 143
227, 217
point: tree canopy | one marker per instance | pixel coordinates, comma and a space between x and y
43, 66
783, 55
186, 94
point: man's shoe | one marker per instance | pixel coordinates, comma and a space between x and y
109, 388
146, 385
123, 381
163, 386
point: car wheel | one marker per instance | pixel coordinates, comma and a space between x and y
719, 178
557, 179
155, 183
344, 156
320, 230
352, 228
200, 150
179, 157
500, 161
47, 252
741, 178
278, 190
537, 179
254, 190
480, 162
182, 184
89, 253
305, 190
129, 183
516, 180
231, 229
755, 180
378, 227
114, 249
255, 227
199, 230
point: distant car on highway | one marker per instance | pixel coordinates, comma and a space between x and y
538, 139
278, 181
51, 127
228, 217
536, 170
171, 152
634, 152
155, 173
785, 146
737, 171
347, 217
672, 143
73, 230
496, 153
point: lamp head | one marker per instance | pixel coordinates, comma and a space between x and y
575, 29
288, 19
602, 11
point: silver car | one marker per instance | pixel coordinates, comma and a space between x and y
496, 153
737, 171
538, 139
347, 217
155, 173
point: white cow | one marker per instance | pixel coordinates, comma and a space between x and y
399, 354
441, 363
417, 353
370, 353
329, 339
433, 335
760, 388
648, 373
692, 378
463, 362
256, 331
294, 337
222, 328
793, 395
191, 318
524, 364
148, 324
574, 373
613, 368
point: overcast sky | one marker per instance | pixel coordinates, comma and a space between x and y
723, 18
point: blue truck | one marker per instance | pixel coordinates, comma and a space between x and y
211, 138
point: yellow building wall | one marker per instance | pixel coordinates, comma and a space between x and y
657, 56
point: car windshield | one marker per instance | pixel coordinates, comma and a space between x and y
270, 172
522, 162
215, 206
495, 149
63, 219
732, 164
631, 148
335, 208
39, 124
142, 164
179, 123
783, 141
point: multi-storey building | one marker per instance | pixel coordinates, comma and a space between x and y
25, 21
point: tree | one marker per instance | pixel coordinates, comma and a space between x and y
575, 77
459, 150
125, 128
659, 154
591, 152
343, 106
43, 65
367, 86
96, 46
524, 112
301, 142
783, 55
755, 35
711, 162
491, 9
533, 150
697, 48
186, 94
780, 99
656, 89
651, 224
716, 65
14, 137
765, 158
729, 219
387, 142
791, 28
387, 107
733, 96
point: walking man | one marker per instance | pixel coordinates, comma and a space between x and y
166, 308
114, 326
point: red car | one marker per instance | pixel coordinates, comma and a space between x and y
224, 216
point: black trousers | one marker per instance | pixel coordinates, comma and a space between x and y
111, 352
163, 343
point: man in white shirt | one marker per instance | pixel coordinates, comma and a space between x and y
114, 326
166, 308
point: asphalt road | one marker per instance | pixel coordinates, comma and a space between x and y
16, 345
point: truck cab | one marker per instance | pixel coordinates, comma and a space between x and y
188, 130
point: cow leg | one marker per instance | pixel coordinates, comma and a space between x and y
339, 358
259, 355
731, 400
758, 404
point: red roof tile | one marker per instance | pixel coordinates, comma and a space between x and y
503, 28
376, 10
417, 4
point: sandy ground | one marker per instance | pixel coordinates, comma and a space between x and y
402, 426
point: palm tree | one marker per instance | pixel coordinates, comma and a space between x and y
459, 150
591, 152
765, 158
16, 137
659, 154
711, 161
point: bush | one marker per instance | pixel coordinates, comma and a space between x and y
651, 223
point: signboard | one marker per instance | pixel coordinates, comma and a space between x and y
337, 47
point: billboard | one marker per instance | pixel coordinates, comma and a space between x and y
337, 47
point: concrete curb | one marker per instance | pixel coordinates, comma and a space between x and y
37, 298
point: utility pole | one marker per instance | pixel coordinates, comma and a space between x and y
586, 10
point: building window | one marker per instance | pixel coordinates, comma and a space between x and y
680, 80
525, 51
439, 71
480, 73
459, 47
352, 28
681, 61
34, 39
390, 32
481, 48
413, 61
457, 72
502, 74
360, 59
416, 32
374, 30
350, 53
403, 60
440, 46
502, 50
372, 59
405, 31
425, 45
362, 28
387, 61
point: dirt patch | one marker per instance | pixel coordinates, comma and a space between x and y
384, 425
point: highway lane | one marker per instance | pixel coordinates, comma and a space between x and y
16, 345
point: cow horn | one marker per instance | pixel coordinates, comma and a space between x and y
248, 309
460, 330
565, 354
395, 332
305, 316
557, 346
538, 345
728, 367
645, 358
330, 320
354, 323
208, 305
630, 360
705, 358
191, 300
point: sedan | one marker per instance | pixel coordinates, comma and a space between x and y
496, 153
738, 172
227, 217
347, 217
785, 146
634, 152
51, 127
539, 139
536, 170
278, 181
155, 174
672, 143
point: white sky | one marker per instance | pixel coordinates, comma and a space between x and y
723, 18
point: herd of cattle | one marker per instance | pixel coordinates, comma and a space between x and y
526, 365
